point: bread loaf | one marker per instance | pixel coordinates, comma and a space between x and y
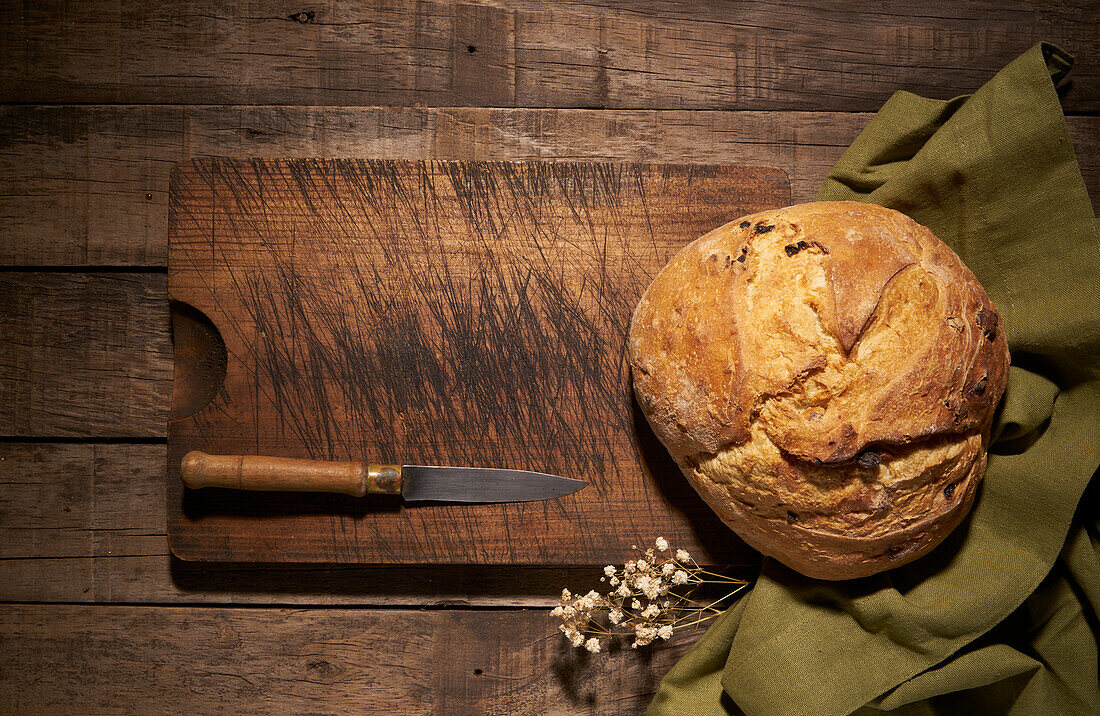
825, 375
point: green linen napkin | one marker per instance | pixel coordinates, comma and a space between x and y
1002, 617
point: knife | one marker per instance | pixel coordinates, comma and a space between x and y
357, 478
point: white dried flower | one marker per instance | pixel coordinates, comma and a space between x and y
642, 580
588, 602
649, 586
644, 634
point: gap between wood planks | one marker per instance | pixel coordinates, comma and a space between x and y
83, 269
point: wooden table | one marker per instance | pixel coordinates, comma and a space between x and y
102, 99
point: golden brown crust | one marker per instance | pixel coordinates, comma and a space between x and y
825, 375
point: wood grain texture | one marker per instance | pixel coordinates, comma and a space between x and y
83, 354
88, 186
100, 659
85, 523
72, 501
506, 53
442, 313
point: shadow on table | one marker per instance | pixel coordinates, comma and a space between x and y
603, 680
720, 544
396, 585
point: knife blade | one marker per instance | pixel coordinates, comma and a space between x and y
415, 483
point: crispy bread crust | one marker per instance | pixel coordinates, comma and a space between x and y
825, 375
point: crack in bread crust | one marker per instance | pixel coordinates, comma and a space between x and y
790, 359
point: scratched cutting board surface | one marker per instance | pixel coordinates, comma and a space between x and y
453, 313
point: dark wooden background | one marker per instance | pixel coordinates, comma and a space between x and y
101, 99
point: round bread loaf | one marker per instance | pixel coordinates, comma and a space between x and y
825, 375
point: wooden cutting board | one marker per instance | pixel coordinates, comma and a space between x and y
453, 313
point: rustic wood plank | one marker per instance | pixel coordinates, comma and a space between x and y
61, 501
86, 523
101, 659
86, 188
89, 186
84, 354
218, 660
812, 55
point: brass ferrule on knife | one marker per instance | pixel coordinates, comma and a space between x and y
384, 479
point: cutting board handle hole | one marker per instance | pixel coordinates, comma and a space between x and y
199, 359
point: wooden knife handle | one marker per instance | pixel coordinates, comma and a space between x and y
254, 472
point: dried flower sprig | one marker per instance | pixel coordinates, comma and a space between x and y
650, 597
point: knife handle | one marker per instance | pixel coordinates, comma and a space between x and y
255, 472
